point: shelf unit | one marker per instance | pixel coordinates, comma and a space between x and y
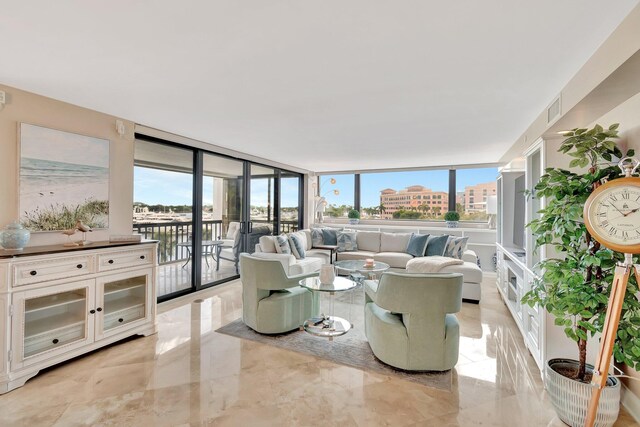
54, 309
516, 254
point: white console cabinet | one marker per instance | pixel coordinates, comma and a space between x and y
57, 303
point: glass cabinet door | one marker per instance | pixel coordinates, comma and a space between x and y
53, 320
124, 300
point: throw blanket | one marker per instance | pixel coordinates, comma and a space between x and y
431, 264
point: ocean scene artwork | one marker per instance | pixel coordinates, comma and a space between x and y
64, 177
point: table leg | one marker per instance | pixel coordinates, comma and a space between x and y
188, 257
218, 250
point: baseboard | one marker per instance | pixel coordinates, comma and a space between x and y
631, 402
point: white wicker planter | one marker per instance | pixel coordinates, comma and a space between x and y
570, 398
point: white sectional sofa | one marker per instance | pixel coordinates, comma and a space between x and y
389, 248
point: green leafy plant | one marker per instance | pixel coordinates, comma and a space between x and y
452, 216
353, 214
574, 286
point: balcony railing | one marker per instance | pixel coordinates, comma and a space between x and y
169, 234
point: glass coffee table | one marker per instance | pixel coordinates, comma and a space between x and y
358, 271
328, 326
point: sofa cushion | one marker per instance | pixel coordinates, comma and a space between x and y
330, 236
359, 255
394, 259
436, 245
282, 244
321, 254
298, 243
456, 247
368, 241
347, 241
268, 244
417, 245
394, 242
309, 236
306, 265
470, 271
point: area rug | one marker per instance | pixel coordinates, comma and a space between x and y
350, 349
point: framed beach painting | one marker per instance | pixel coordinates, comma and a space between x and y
64, 177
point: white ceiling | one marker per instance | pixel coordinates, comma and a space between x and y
323, 85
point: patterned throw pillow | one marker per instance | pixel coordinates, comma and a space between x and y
282, 244
298, 242
417, 244
347, 241
316, 237
436, 245
456, 247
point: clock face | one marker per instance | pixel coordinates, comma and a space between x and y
612, 214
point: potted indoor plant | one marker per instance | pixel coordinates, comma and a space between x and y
452, 218
574, 286
354, 216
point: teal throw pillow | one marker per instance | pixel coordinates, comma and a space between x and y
297, 246
347, 241
282, 244
456, 247
330, 236
417, 244
316, 237
436, 245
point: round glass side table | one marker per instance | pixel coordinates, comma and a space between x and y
358, 271
328, 326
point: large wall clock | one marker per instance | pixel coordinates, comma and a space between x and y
612, 215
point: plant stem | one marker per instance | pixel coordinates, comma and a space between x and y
582, 349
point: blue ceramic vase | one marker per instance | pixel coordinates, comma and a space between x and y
14, 236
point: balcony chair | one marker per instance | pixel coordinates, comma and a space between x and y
409, 322
232, 253
232, 231
272, 302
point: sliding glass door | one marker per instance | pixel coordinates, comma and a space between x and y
205, 209
222, 207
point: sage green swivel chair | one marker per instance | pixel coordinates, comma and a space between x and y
409, 322
272, 302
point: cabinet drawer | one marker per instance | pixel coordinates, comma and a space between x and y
124, 259
27, 273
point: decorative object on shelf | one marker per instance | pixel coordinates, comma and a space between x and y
354, 216
14, 236
80, 226
452, 218
70, 232
575, 287
327, 274
64, 177
125, 238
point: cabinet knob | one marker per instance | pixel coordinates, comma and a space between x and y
33, 272
121, 320
110, 261
79, 266
142, 257
55, 341
92, 311
99, 309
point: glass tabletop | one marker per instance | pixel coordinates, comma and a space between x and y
339, 284
358, 265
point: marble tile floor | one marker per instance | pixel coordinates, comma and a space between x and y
188, 374
176, 276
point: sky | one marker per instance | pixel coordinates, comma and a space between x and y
154, 186
174, 188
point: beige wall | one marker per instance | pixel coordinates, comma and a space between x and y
38, 110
